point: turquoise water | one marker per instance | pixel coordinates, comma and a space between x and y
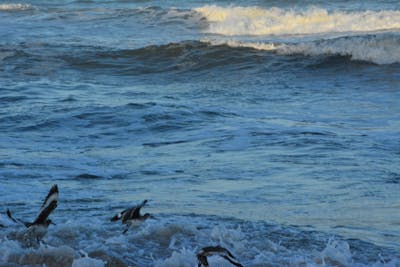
268, 127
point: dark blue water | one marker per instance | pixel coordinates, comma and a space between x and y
271, 128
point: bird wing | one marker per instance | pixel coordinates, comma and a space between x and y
220, 251
134, 212
229, 253
51, 196
15, 220
11, 217
45, 212
234, 262
202, 260
119, 215
129, 214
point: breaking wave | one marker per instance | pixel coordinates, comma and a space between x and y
378, 49
175, 240
277, 21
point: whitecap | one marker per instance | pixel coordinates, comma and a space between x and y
11, 7
337, 253
236, 20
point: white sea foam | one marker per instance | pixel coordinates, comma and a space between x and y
376, 49
237, 20
7, 247
97, 242
255, 45
182, 258
10, 7
44, 255
87, 262
337, 253
228, 237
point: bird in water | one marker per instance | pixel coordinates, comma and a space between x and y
38, 228
131, 215
212, 251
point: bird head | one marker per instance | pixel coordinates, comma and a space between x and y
147, 215
48, 222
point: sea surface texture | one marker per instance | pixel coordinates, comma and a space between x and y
271, 128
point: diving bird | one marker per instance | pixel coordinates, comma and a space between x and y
131, 215
38, 228
217, 250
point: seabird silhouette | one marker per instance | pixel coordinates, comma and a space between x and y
131, 215
38, 228
217, 250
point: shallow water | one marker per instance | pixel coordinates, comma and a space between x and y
270, 128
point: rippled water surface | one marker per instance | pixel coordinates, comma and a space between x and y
268, 127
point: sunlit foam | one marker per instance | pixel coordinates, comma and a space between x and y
277, 21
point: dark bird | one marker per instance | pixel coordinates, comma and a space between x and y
38, 227
217, 250
131, 215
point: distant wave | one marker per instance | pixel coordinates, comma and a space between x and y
10, 7
378, 49
277, 21
5, 54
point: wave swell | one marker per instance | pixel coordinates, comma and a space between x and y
195, 57
277, 21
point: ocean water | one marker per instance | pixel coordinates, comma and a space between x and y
271, 128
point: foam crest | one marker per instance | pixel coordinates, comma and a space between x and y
253, 45
183, 258
10, 7
372, 49
276, 21
336, 253
228, 237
